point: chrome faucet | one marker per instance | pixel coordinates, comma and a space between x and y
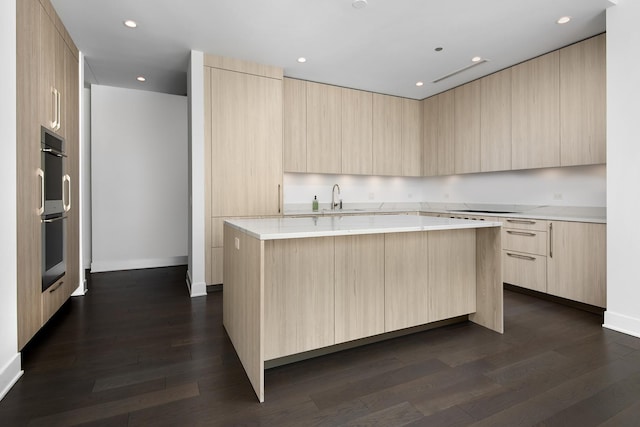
333, 197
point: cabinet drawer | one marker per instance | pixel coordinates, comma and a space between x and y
529, 241
526, 224
54, 297
527, 271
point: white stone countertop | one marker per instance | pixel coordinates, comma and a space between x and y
593, 214
337, 225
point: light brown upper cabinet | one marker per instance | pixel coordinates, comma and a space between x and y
295, 125
430, 136
246, 144
583, 102
495, 122
439, 135
357, 116
324, 128
411, 137
467, 127
387, 135
536, 113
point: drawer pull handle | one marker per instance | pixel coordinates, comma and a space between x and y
524, 257
56, 287
521, 221
521, 233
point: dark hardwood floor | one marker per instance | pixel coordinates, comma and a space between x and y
137, 351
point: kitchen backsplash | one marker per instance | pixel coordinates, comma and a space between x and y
568, 186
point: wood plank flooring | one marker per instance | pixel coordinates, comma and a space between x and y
137, 351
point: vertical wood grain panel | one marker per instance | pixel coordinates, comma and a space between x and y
208, 185
577, 262
324, 128
243, 303
446, 133
430, 136
411, 137
387, 135
295, 125
495, 122
359, 286
583, 103
451, 273
489, 296
299, 295
536, 112
357, 142
467, 127
406, 280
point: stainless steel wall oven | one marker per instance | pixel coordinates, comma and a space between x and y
54, 204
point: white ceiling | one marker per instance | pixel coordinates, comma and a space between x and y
386, 47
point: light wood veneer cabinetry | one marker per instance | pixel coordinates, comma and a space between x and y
525, 253
467, 128
47, 95
243, 147
576, 265
495, 122
328, 129
583, 103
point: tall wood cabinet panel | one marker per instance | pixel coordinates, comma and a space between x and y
576, 262
28, 113
357, 116
536, 113
324, 128
299, 307
411, 137
467, 128
246, 144
47, 95
295, 125
495, 122
430, 114
406, 280
359, 286
583, 103
387, 135
243, 147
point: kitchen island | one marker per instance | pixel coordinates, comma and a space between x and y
296, 285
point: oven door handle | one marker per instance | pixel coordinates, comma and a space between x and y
53, 151
41, 176
50, 220
66, 206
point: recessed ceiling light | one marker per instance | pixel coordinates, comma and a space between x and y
564, 20
359, 4
302, 60
438, 49
476, 59
130, 23
141, 79
419, 84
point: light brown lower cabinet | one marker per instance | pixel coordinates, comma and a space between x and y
577, 262
359, 286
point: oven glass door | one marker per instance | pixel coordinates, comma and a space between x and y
53, 248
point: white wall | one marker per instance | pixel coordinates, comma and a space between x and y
195, 88
575, 186
623, 172
139, 172
10, 368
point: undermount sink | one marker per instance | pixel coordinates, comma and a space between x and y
339, 211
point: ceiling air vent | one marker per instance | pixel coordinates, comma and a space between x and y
473, 64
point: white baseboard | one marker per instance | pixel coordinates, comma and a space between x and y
135, 264
622, 323
198, 289
10, 374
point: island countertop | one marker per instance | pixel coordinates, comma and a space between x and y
322, 226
